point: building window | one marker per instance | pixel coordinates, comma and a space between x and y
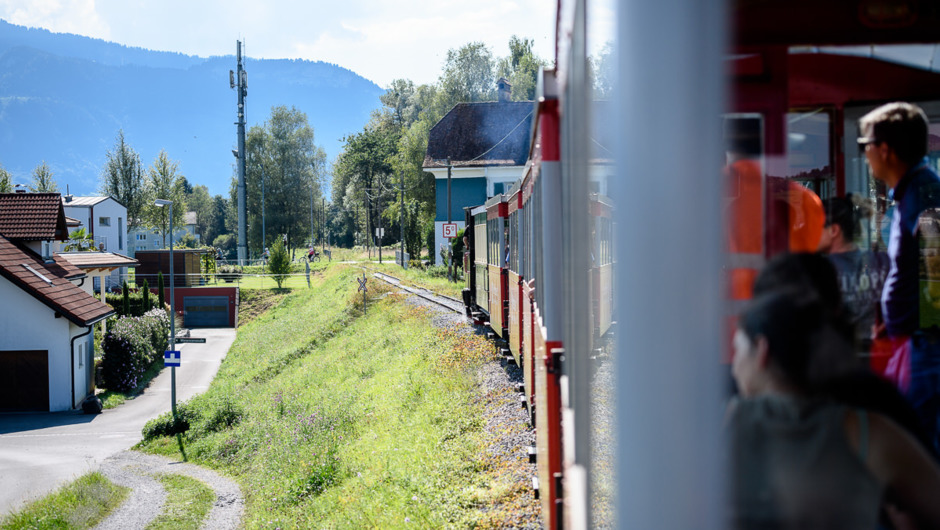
104, 221
141, 237
120, 228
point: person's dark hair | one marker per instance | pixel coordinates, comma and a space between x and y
792, 321
806, 270
840, 211
903, 126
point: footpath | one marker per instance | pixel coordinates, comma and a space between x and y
42, 451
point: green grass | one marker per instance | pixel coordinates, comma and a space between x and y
82, 503
329, 418
188, 501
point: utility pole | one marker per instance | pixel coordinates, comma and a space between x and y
379, 200
242, 86
401, 216
323, 227
264, 229
449, 257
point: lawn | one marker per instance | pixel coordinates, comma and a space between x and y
331, 418
82, 503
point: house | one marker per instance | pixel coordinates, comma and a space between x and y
143, 238
105, 220
46, 318
485, 145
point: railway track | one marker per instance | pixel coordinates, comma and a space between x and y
444, 301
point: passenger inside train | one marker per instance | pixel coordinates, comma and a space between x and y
800, 460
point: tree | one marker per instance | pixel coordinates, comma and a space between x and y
125, 299
123, 180
145, 293
468, 75
215, 222
279, 262
80, 240
163, 182
6, 181
521, 68
160, 288
283, 158
199, 201
43, 182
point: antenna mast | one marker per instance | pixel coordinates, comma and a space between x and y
240, 83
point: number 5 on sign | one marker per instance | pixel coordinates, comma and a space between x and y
450, 230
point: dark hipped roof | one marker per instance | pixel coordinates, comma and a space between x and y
32, 217
48, 283
482, 134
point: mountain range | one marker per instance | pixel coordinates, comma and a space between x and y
63, 99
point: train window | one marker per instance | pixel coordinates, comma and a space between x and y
809, 152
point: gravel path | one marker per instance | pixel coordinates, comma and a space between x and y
137, 471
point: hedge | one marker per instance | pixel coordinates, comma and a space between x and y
130, 346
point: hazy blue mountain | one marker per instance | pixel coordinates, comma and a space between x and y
63, 98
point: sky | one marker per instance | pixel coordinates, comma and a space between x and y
381, 40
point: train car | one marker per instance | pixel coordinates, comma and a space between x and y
497, 254
480, 302
602, 265
514, 277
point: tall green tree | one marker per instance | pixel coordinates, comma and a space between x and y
285, 160
469, 75
6, 181
43, 181
521, 67
163, 182
123, 180
199, 201
279, 262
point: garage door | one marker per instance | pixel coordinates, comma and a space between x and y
24, 380
205, 311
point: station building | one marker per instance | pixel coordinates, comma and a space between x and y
486, 146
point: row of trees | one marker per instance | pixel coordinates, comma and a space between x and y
126, 180
367, 175
42, 180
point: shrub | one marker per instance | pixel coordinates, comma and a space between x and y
160, 289
145, 293
279, 263
163, 425
131, 345
437, 271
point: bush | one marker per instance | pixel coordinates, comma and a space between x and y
131, 345
163, 425
229, 273
437, 271
279, 263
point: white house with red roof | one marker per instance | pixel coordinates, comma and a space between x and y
46, 318
105, 220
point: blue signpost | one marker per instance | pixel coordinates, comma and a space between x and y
171, 358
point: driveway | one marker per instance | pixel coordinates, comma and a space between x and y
41, 451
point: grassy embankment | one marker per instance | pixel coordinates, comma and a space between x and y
329, 418
82, 503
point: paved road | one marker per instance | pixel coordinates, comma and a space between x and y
39, 452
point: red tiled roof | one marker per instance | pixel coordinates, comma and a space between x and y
48, 283
32, 217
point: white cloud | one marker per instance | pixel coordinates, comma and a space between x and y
61, 16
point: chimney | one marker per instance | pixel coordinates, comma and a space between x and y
503, 90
